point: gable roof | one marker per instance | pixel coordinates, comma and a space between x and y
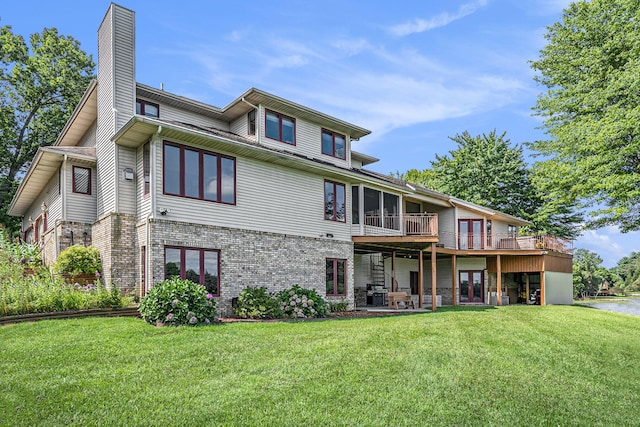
247, 102
45, 163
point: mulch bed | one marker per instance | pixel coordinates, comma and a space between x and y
133, 312
337, 315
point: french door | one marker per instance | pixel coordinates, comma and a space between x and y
470, 233
471, 286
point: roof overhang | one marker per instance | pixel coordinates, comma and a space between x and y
254, 97
140, 129
81, 119
46, 162
489, 212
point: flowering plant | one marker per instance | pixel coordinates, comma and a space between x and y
178, 302
301, 303
257, 303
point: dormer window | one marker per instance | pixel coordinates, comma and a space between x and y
333, 144
280, 127
251, 122
146, 108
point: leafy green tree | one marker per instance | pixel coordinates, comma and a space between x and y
628, 269
590, 68
589, 275
39, 87
488, 170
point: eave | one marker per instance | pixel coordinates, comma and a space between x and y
241, 105
45, 164
81, 119
140, 129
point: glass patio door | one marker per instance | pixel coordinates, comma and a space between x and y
471, 286
470, 233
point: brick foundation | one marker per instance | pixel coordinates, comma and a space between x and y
251, 258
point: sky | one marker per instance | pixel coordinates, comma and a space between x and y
413, 72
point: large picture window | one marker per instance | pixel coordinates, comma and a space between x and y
334, 201
333, 144
199, 174
280, 127
336, 276
81, 180
198, 265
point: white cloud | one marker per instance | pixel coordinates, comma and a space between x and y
419, 25
351, 47
609, 243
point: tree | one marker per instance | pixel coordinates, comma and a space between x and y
628, 269
487, 170
39, 88
589, 275
591, 70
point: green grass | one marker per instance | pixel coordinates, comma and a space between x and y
507, 366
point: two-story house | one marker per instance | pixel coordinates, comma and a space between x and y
261, 192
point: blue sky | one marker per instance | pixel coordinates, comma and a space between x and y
414, 72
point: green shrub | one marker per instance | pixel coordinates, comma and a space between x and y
78, 259
178, 302
257, 303
338, 307
301, 303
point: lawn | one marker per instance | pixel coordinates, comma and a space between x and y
507, 366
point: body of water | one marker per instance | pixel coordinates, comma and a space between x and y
631, 306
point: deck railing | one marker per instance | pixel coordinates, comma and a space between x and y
396, 225
508, 241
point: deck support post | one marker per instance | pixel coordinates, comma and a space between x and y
394, 282
433, 276
454, 280
420, 279
499, 282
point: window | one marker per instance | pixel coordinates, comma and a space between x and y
355, 204
470, 234
333, 144
199, 174
334, 201
412, 207
512, 230
146, 172
198, 265
489, 243
391, 204
413, 282
251, 122
335, 276
146, 108
281, 128
81, 180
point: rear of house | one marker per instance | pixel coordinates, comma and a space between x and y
261, 192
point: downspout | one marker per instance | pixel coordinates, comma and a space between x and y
147, 257
152, 191
63, 190
258, 118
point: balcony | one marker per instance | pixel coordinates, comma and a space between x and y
397, 225
504, 241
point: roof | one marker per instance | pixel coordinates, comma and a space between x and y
45, 163
248, 101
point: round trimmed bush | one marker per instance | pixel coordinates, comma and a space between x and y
301, 303
78, 259
178, 302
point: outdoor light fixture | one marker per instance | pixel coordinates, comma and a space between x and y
127, 173
43, 207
